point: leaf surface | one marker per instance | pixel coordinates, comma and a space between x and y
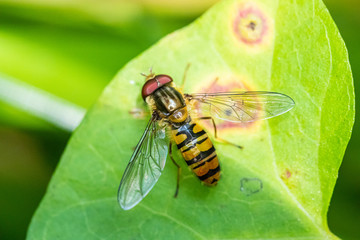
277, 187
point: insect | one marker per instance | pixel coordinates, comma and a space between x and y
171, 112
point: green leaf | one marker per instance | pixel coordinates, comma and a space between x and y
278, 186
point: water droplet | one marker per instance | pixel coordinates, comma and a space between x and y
132, 82
250, 186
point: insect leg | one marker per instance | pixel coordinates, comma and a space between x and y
178, 172
215, 133
184, 76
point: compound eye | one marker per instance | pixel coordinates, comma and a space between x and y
163, 79
153, 84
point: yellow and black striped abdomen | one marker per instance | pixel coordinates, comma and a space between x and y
198, 151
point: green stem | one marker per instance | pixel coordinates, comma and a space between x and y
40, 103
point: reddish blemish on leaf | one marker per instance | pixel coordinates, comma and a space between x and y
232, 84
286, 174
250, 25
288, 177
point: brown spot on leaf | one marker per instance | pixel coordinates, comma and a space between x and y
252, 26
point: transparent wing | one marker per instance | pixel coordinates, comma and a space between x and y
145, 166
241, 106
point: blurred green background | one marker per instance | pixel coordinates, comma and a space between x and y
72, 49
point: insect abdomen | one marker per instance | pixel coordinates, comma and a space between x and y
198, 151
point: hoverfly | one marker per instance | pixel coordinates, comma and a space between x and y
170, 111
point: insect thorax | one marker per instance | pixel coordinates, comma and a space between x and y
170, 104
